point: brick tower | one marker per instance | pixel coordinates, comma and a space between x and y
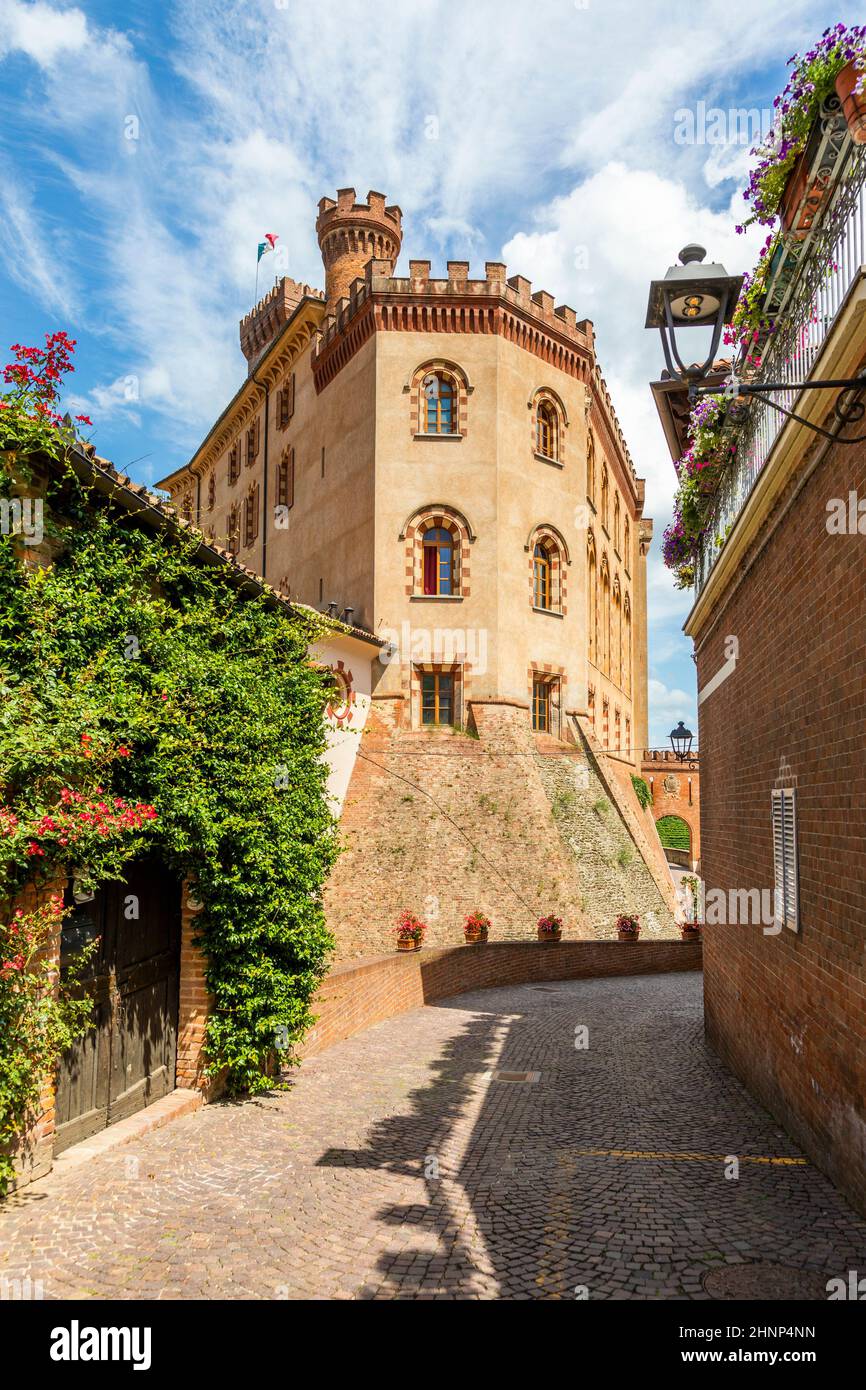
351, 234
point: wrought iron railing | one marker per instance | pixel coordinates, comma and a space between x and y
805, 292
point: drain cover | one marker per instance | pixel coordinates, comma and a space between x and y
516, 1076
778, 1283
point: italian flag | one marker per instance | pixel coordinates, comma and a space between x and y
269, 244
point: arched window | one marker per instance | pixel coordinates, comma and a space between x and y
592, 595
616, 521
251, 515
590, 467
438, 561
542, 587
438, 401
233, 529
605, 499
547, 430
211, 491
604, 620
626, 546
626, 654
616, 636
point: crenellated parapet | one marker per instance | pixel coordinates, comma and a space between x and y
260, 326
455, 303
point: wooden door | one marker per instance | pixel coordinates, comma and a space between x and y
127, 1060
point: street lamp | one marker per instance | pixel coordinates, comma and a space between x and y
681, 741
692, 295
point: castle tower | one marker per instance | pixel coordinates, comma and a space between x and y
351, 234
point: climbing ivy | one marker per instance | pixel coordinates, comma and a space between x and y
642, 791
127, 639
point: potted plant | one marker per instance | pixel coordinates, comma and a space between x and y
409, 931
476, 928
849, 89
690, 931
627, 927
550, 928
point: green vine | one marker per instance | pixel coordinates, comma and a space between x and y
128, 641
642, 791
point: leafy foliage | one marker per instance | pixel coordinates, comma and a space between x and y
642, 791
142, 689
38, 1019
673, 832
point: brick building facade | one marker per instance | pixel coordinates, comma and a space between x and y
777, 624
675, 786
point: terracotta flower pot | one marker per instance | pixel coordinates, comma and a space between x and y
475, 935
853, 103
408, 943
801, 202
690, 931
628, 935
549, 935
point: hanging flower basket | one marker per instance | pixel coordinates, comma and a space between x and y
550, 928
476, 928
853, 102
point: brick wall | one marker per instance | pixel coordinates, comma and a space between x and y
358, 994
444, 824
788, 1012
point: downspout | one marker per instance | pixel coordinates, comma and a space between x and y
266, 390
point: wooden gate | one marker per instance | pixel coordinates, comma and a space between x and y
127, 1060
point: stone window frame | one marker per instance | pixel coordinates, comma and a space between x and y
211, 490
251, 515
286, 402
233, 528
555, 675
235, 462
285, 488
592, 597
434, 516
546, 396
463, 389
252, 439
457, 671
560, 559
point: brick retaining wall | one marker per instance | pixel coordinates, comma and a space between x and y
358, 994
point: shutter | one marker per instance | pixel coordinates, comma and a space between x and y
778, 860
290, 498
792, 895
291, 396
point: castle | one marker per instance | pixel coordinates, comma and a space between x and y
438, 462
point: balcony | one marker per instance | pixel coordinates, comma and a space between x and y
812, 272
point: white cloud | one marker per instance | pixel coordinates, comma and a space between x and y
30, 252
41, 31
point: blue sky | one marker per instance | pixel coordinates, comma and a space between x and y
145, 149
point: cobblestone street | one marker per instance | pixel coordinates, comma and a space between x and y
404, 1164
